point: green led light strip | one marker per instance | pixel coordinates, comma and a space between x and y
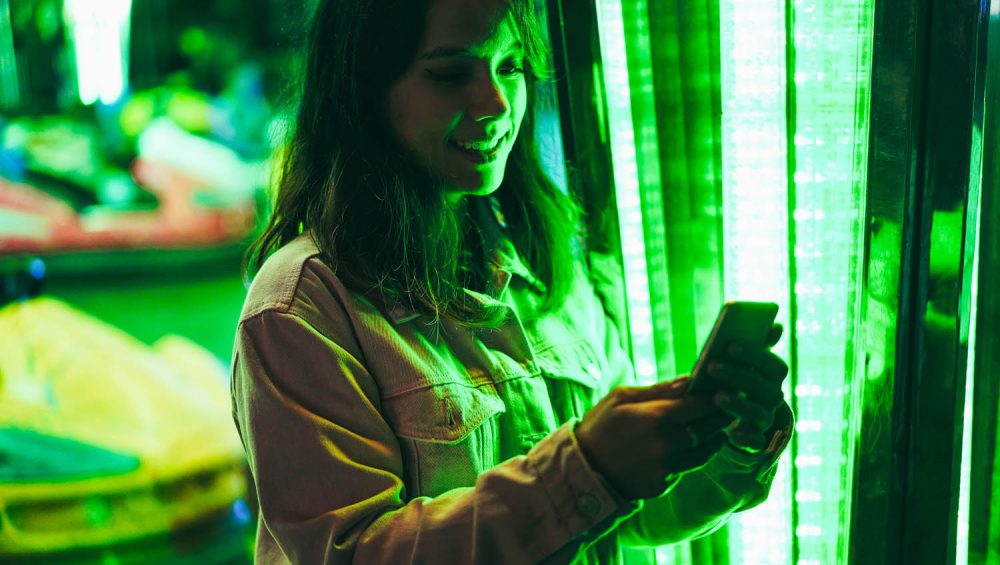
766, 224
99, 33
830, 41
626, 175
828, 64
639, 56
754, 173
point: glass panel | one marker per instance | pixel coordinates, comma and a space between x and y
979, 519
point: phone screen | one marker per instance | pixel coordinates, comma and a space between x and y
747, 322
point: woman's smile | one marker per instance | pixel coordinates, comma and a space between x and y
482, 151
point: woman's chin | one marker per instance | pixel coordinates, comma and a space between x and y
471, 189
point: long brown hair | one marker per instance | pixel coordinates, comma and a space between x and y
379, 219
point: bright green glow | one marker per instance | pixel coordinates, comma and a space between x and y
830, 44
638, 54
626, 175
828, 38
100, 30
754, 177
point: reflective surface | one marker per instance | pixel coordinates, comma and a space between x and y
983, 513
912, 344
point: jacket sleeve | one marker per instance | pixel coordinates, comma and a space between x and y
328, 468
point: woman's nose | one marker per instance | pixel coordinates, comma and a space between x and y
489, 100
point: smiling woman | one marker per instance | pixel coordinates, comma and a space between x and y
458, 109
425, 369
390, 134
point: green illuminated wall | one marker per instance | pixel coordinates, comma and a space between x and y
751, 168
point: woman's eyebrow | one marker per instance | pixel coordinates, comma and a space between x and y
447, 51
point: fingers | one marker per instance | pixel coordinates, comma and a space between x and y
740, 379
747, 437
775, 335
747, 412
761, 360
702, 430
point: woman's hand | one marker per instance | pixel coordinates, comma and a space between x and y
640, 438
751, 378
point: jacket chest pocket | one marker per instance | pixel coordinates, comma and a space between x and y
447, 432
574, 376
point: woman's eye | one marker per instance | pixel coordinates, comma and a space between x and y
511, 69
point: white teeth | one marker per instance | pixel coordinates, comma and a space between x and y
483, 146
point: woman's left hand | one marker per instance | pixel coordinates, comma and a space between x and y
751, 378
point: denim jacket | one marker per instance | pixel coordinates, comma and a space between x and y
377, 436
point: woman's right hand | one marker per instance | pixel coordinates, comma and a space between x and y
640, 438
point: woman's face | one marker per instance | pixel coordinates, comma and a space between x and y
459, 106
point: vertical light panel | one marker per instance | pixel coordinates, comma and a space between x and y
794, 79
831, 44
755, 217
99, 33
627, 189
645, 124
10, 95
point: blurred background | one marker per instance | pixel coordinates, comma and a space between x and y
838, 157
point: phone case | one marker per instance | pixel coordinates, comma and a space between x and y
749, 322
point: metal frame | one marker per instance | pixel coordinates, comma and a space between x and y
984, 512
925, 62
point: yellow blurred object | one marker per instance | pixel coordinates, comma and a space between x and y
68, 376
137, 113
191, 110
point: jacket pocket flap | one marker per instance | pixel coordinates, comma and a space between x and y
573, 361
441, 413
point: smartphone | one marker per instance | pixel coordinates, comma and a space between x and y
747, 322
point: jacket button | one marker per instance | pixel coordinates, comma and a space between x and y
588, 505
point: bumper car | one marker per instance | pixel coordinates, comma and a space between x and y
65, 197
105, 440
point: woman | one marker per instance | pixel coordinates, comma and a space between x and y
425, 370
